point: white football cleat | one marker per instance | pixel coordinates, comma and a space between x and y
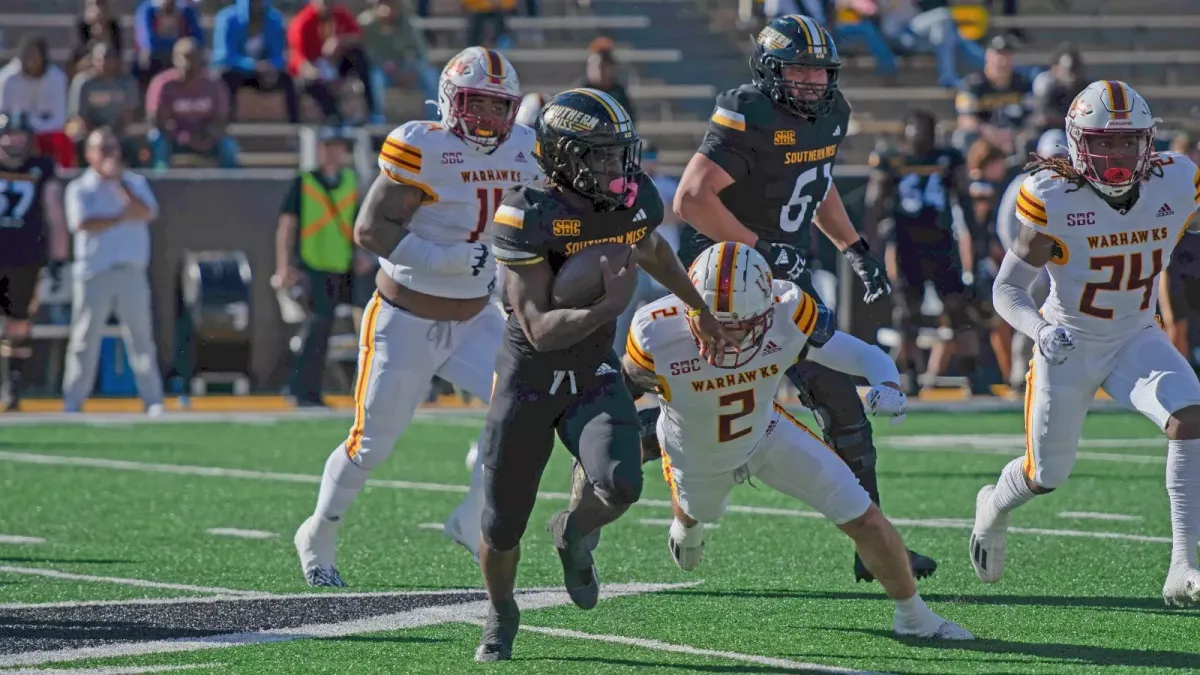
472, 456
686, 545
1182, 588
935, 629
988, 537
463, 530
318, 550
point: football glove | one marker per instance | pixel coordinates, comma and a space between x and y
870, 270
887, 402
785, 260
1055, 343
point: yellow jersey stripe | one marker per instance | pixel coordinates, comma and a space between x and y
1030, 216
400, 162
637, 354
403, 147
1036, 205
611, 107
724, 120
805, 315
517, 263
354, 442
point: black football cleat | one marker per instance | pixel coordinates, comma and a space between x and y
579, 571
922, 567
499, 631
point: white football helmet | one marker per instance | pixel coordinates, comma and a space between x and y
735, 282
478, 94
531, 105
1110, 136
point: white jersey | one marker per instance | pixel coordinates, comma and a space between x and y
463, 189
713, 418
1104, 273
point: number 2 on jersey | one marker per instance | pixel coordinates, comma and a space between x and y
795, 213
744, 402
1135, 282
489, 201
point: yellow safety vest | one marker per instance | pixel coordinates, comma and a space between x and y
327, 222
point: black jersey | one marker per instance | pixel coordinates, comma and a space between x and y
781, 163
535, 223
1006, 106
22, 220
921, 187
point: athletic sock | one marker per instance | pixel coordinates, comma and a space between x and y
914, 614
1183, 489
687, 536
1012, 490
340, 484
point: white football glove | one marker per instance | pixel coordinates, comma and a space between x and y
1055, 343
887, 402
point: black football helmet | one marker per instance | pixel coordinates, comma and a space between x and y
920, 131
795, 40
16, 137
586, 143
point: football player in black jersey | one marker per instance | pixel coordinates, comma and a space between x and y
556, 371
909, 198
32, 224
762, 176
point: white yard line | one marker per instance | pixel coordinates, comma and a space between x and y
440, 527
414, 618
18, 539
666, 522
141, 583
1095, 515
1006, 446
117, 670
241, 534
658, 646
189, 470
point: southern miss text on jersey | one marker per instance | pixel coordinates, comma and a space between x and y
1105, 269
727, 410
534, 223
920, 194
463, 188
781, 164
22, 219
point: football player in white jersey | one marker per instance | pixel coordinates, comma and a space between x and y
1104, 222
720, 424
426, 216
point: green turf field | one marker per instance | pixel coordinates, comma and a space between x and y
125, 512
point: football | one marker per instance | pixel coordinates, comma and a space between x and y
580, 282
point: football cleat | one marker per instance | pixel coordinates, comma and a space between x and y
936, 629
686, 545
988, 537
499, 631
1182, 588
579, 570
317, 551
922, 567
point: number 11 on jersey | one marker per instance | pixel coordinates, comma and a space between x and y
489, 201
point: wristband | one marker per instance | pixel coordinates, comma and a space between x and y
694, 312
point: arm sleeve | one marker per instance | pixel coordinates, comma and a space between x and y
516, 236
1010, 295
728, 141
402, 157
1007, 224
848, 354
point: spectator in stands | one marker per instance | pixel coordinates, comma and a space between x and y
325, 45
189, 109
397, 49
926, 26
865, 30
248, 50
38, 88
102, 96
94, 26
486, 24
109, 210
994, 103
987, 168
601, 73
1182, 143
314, 252
157, 26
1056, 88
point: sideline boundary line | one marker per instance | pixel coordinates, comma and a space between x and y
217, 472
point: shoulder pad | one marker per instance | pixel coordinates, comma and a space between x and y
1031, 199
402, 157
522, 138
841, 107
742, 108
803, 308
652, 325
650, 199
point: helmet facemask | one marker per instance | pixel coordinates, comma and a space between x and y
808, 99
751, 333
484, 119
1113, 161
605, 174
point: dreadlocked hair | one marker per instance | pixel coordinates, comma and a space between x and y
1059, 165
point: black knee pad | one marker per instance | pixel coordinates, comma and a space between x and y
622, 488
958, 312
839, 411
499, 534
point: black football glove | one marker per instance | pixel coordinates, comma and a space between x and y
870, 270
785, 260
55, 269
